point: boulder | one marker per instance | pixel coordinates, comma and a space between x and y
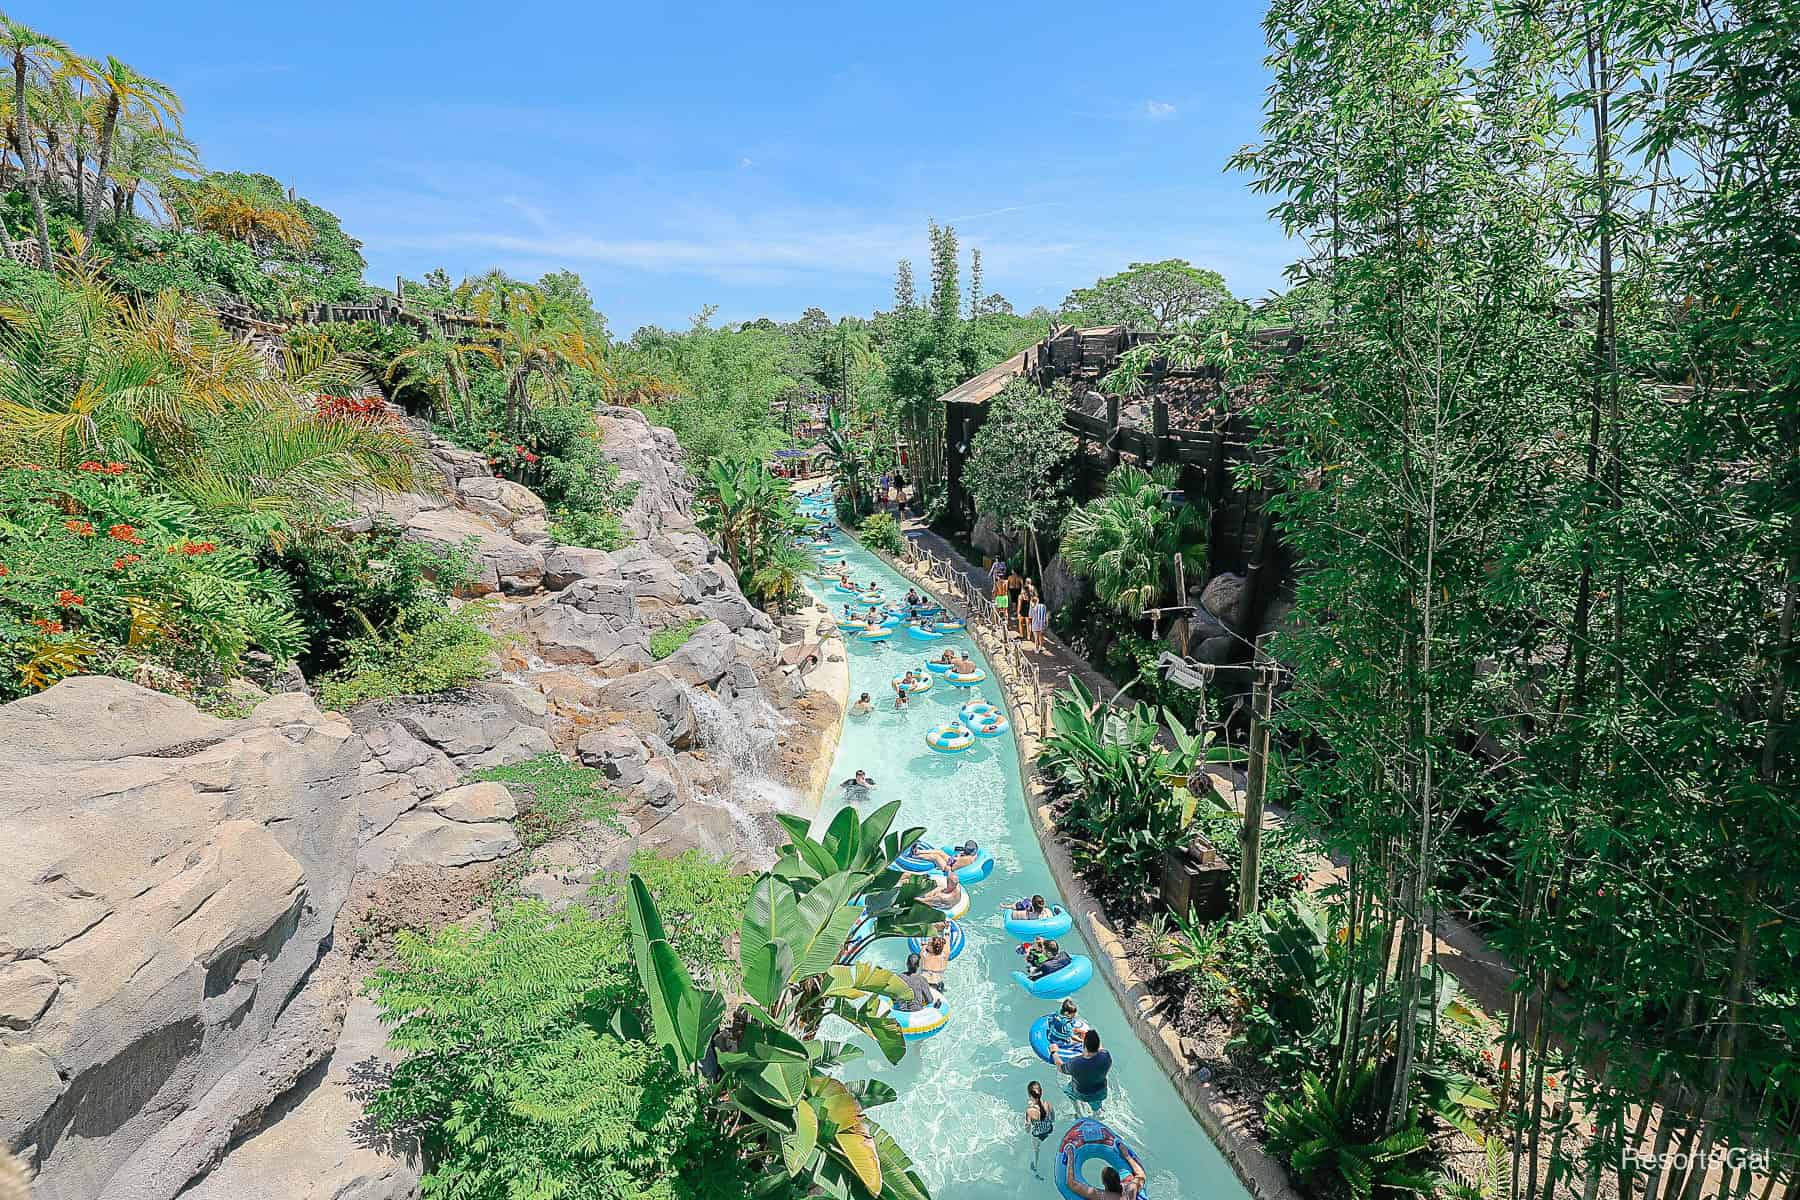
562, 687
178, 877
591, 622
1063, 588
502, 564
501, 501
564, 565
616, 751
704, 657
664, 784
1219, 651
986, 537
1226, 597
650, 457
463, 826
397, 772
464, 723
652, 701
316, 1144
519, 745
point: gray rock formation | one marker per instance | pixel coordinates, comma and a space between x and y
483, 724
1063, 588
655, 702
564, 565
650, 457
465, 825
1226, 597
316, 1143
175, 877
502, 564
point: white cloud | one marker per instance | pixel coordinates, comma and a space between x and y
1158, 110
746, 162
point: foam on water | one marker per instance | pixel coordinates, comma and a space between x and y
962, 1091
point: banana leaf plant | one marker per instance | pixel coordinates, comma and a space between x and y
768, 1065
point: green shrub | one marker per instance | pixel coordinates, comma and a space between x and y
349, 587
427, 649
98, 573
665, 642
595, 530
882, 532
554, 794
528, 1071
202, 265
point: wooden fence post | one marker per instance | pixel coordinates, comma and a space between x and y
1112, 430
1262, 708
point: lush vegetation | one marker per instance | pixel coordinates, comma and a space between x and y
553, 795
751, 515
881, 531
539, 1062
1019, 465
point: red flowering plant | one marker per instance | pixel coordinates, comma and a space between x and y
81, 589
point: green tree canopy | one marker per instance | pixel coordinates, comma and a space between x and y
1155, 295
1018, 469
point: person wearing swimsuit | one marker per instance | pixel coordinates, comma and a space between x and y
1040, 1122
935, 959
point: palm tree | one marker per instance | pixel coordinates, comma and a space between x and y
232, 212
126, 91
86, 374
155, 158
440, 367
1128, 540
30, 49
537, 339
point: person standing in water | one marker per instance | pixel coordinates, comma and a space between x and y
1040, 1122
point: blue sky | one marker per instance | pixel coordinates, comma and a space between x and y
758, 157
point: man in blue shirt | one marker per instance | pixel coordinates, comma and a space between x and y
1086, 1071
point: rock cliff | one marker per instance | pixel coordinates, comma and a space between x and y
179, 894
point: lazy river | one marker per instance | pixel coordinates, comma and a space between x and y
962, 1090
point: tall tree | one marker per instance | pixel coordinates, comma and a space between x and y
30, 50
1156, 296
132, 93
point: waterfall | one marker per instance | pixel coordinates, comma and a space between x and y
743, 734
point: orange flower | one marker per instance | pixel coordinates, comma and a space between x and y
1550, 1082
3, 571
28, 467
192, 548
47, 626
79, 528
120, 563
90, 466
68, 599
125, 533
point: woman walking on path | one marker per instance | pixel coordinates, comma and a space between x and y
1027, 596
1040, 618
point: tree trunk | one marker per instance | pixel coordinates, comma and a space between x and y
107, 128
28, 163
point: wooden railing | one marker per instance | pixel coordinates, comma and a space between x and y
990, 626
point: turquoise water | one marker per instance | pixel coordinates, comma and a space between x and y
962, 1091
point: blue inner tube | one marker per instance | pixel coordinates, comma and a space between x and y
957, 941
949, 739
875, 635
1040, 1039
1056, 925
988, 727
975, 872
924, 635
1089, 1141
1055, 986
938, 668
917, 1026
